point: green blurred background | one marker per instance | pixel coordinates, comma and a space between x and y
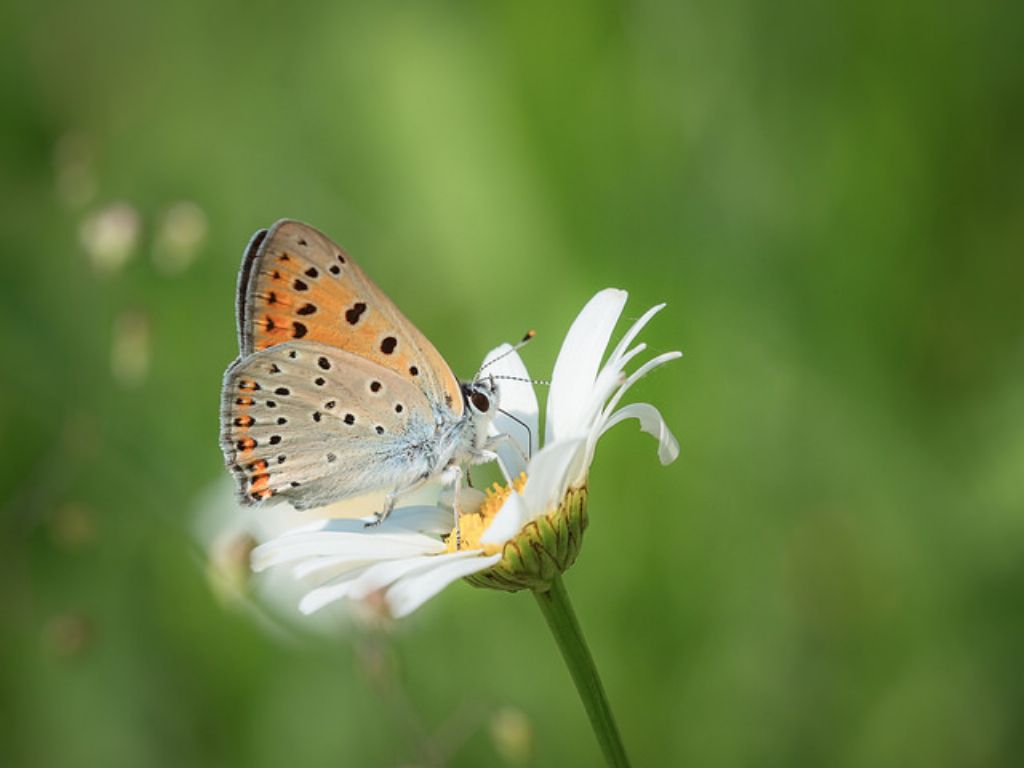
829, 196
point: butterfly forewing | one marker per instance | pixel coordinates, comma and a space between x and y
314, 424
300, 286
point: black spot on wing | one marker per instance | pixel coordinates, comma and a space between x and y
353, 314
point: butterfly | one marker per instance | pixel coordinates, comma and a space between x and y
335, 393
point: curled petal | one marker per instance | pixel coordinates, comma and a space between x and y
638, 374
652, 423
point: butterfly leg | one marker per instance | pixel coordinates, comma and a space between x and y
392, 498
382, 515
453, 476
489, 454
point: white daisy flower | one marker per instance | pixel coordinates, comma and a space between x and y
514, 537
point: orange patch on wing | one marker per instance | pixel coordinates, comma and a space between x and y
305, 280
312, 304
259, 483
274, 298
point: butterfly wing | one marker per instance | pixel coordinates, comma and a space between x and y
315, 424
297, 284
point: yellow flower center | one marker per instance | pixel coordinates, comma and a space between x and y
473, 524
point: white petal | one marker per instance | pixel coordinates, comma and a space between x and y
518, 399
551, 472
359, 584
653, 424
638, 374
598, 426
470, 501
609, 379
384, 574
578, 362
414, 590
366, 545
316, 565
635, 329
421, 519
407, 531
510, 519
336, 589
516, 392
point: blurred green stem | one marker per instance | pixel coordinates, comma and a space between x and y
555, 605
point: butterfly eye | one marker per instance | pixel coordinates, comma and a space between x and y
480, 402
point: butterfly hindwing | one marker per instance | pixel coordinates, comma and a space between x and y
313, 424
300, 286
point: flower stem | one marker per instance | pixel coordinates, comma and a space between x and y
555, 605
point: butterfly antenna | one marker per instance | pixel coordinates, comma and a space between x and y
515, 348
538, 382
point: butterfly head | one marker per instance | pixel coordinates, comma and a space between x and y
481, 397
